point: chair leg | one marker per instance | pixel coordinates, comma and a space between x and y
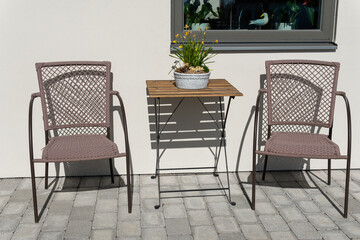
329, 171
253, 181
346, 204
33, 184
265, 165
128, 183
46, 175
111, 170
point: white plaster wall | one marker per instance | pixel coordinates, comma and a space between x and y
135, 37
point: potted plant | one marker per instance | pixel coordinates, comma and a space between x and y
190, 68
198, 19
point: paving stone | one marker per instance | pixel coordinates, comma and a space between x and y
245, 215
174, 211
3, 201
308, 207
333, 235
280, 200
283, 176
291, 214
83, 199
51, 235
129, 238
297, 194
226, 224
169, 181
336, 213
27, 231
152, 219
22, 195
231, 236
205, 179
104, 220
55, 223
253, 231
123, 199
274, 188
149, 191
61, 207
304, 230
282, 235
180, 237
9, 184
125, 215
147, 204
210, 199
89, 182
219, 209
154, 234
82, 213
263, 208
273, 223
199, 217
147, 180
110, 193
321, 200
335, 192
65, 196
78, 229
188, 180
9, 222
6, 235
351, 229
14, 208
176, 226
321, 222
103, 234
205, 233
70, 182
106, 205
195, 203
129, 228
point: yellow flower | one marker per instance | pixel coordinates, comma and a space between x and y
207, 28
202, 42
180, 46
186, 26
177, 35
216, 41
199, 29
186, 33
174, 41
194, 35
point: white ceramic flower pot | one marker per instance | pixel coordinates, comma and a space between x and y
191, 81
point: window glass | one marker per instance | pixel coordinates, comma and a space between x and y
252, 14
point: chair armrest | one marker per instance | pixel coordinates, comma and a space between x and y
347, 104
124, 123
31, 150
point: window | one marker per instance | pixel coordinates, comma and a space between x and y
260, 24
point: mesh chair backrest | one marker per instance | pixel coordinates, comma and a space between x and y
74, 94
301, 92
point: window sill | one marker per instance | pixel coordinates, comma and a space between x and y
271, 47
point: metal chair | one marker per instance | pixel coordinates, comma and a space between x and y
301, 92
75, 99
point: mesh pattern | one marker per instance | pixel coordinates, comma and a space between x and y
79, 147
81, 131
74, 94
301, 92
302, 145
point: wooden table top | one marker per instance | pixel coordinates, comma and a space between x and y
167, 88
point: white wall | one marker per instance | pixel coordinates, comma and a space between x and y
135, 37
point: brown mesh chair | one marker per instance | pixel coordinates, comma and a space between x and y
299, 93
75, 99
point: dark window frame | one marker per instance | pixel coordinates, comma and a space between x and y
322, 39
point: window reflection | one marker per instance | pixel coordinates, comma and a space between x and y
252, 14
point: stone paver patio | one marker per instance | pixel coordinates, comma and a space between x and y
290, 205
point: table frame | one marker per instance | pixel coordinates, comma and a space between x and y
222, 144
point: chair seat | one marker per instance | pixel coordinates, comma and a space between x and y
79, 147
305, 145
